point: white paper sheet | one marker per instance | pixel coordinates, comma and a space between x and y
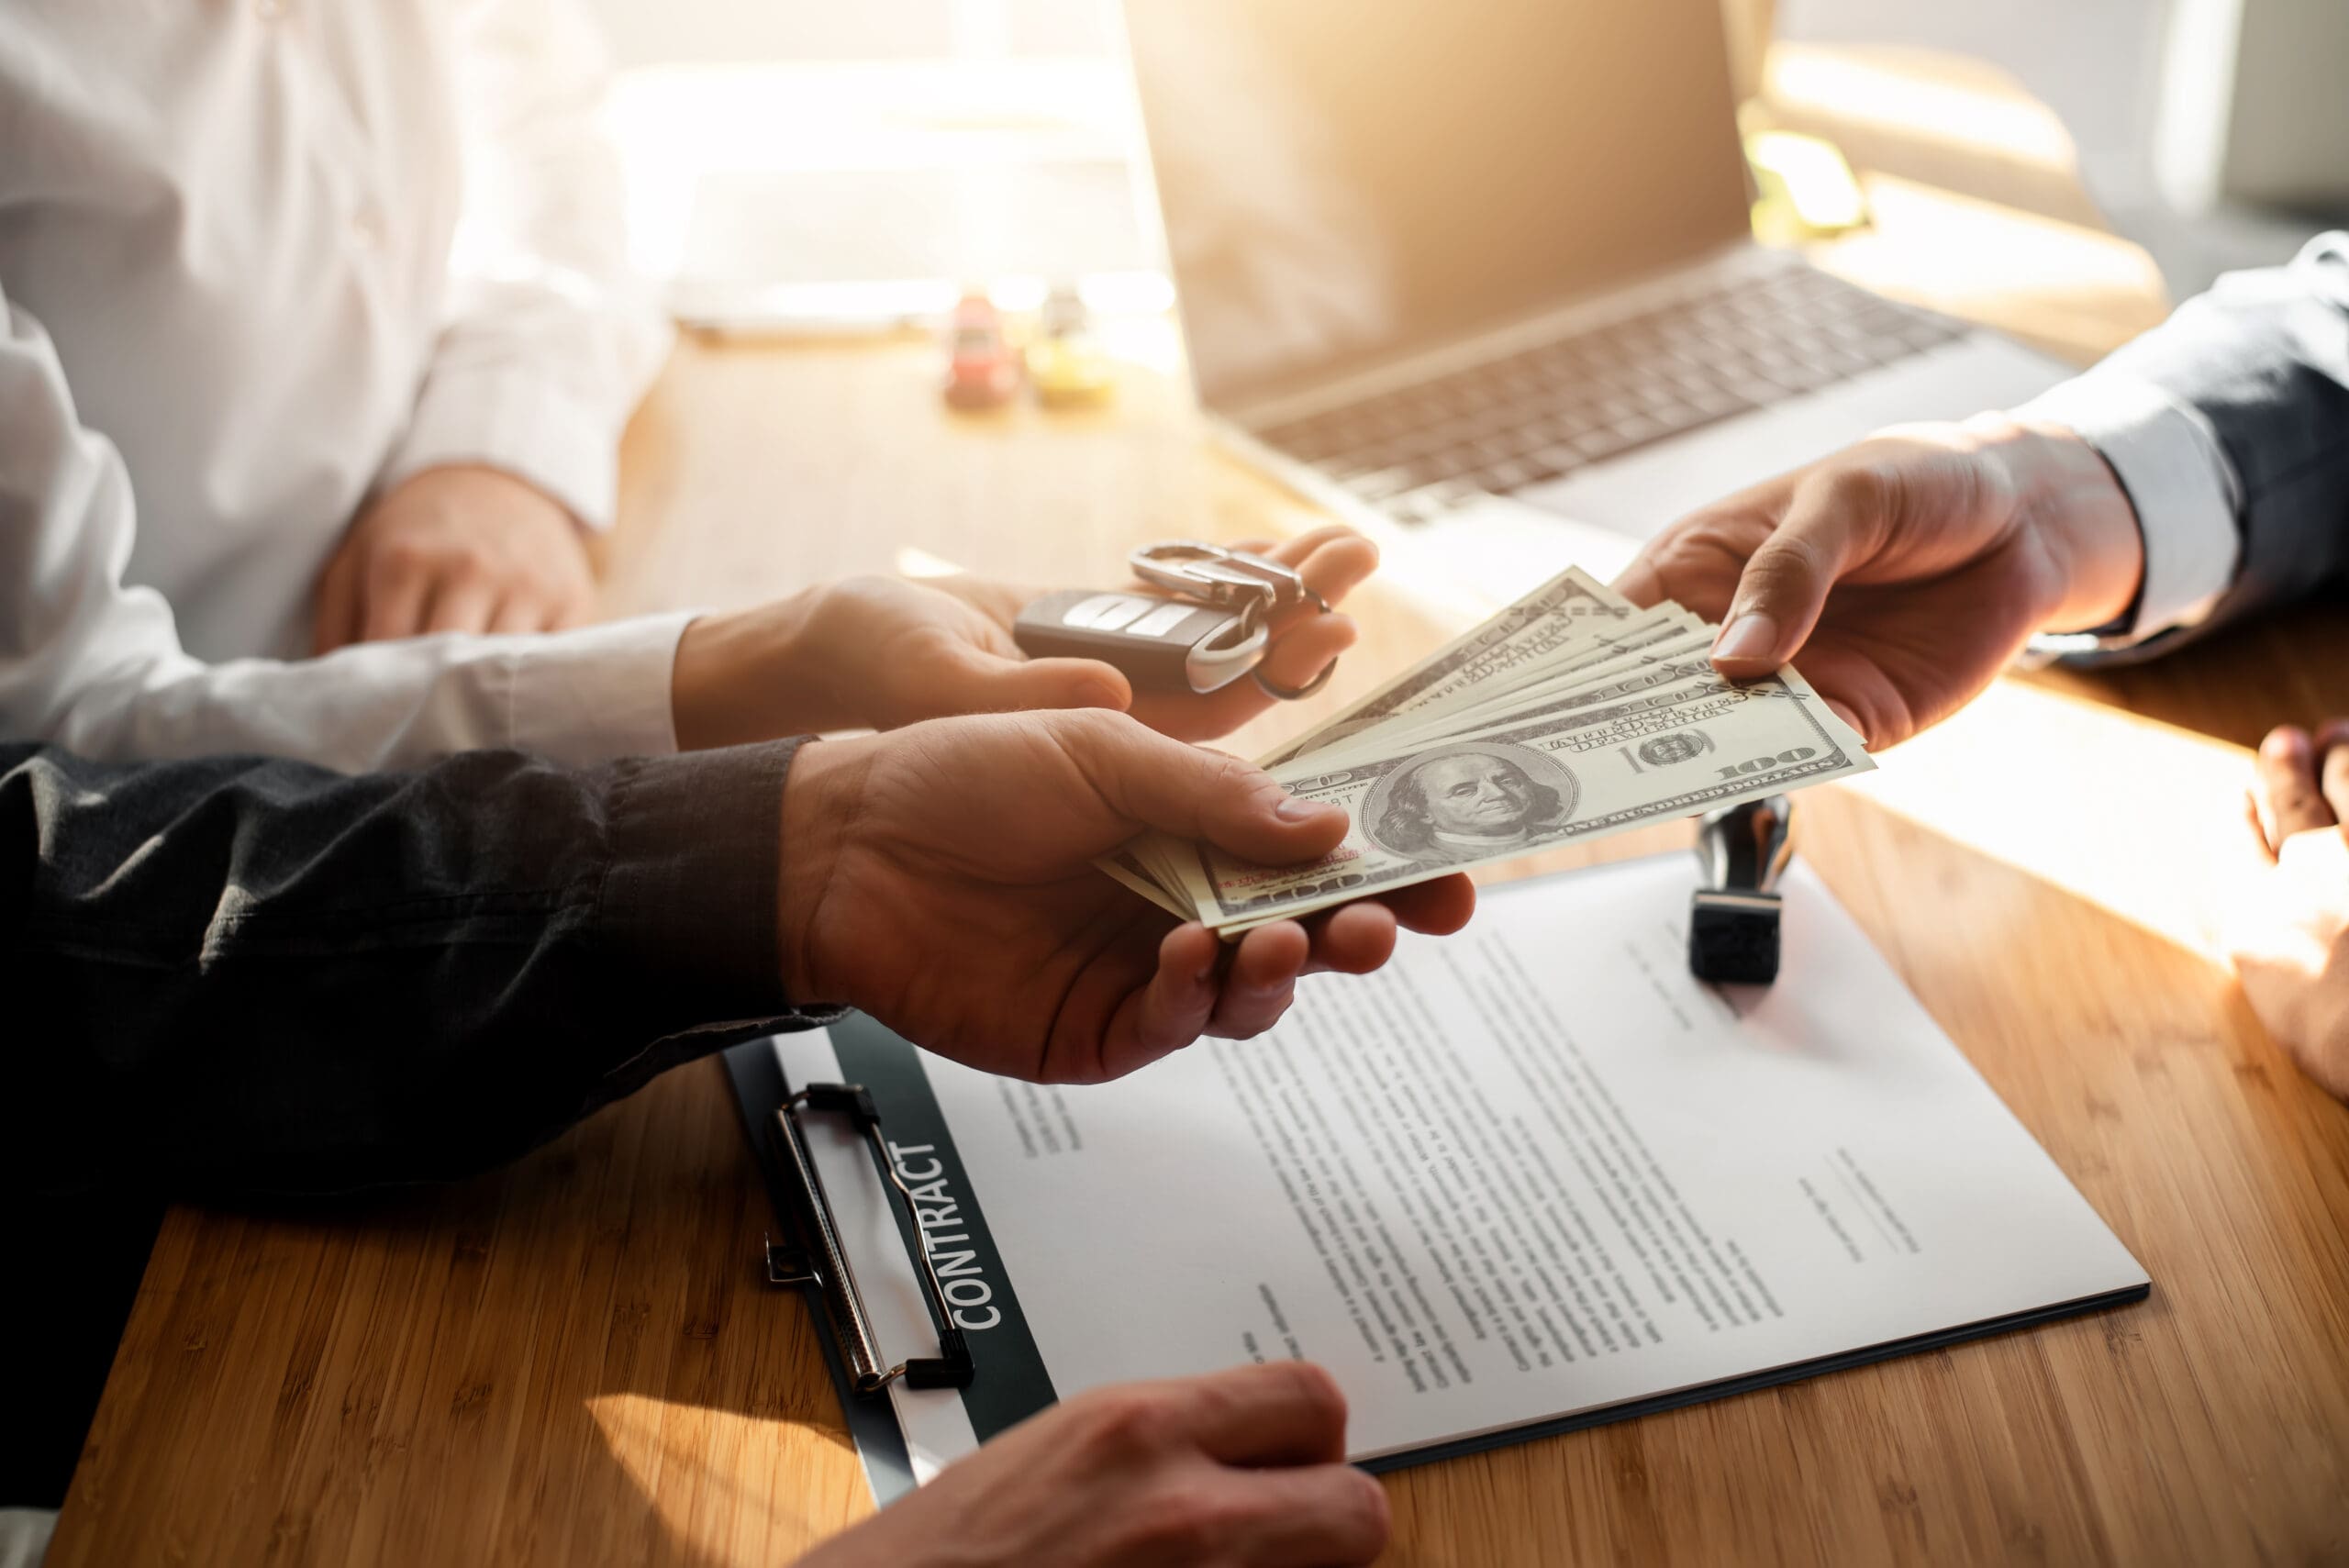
1527, 1172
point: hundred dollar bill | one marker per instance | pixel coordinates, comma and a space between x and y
1129, 873
1561, 613
1421, 812
1578, 676
1641, 629
1667, 627
1685, 660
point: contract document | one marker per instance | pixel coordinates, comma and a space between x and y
1525, 1178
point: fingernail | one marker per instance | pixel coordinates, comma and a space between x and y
2286, 745
1292, 809
1751, 636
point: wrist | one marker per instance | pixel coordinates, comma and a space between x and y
754, 675
2074, 510
819, 812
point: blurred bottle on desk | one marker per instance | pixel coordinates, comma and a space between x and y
982, 367
1066, 364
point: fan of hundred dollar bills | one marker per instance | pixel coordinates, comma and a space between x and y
1568, 715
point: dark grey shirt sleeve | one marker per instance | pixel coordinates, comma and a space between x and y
2262, 360
244, 974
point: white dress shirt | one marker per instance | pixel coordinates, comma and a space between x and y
258, 261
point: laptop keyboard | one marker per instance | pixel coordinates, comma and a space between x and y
1509, 423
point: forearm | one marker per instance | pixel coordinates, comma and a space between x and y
93, 664
576, 697
255, 975
792, 666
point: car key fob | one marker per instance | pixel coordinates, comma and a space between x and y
1166, 645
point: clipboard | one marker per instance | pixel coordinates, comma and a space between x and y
808, 1255
896, 1099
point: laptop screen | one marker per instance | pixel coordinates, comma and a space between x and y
1345, 181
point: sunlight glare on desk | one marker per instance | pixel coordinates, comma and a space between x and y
2143, 821
717, 1477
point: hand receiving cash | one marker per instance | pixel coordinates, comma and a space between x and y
1567, 716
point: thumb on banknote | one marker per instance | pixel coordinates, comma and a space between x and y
1195, 793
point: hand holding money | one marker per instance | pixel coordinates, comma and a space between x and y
1567, 716
940, 877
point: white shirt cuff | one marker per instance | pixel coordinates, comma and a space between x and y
2186, 493
535, 429
599, 691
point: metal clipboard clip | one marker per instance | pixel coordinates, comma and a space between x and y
820, 1259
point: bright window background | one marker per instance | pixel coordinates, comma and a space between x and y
653, 31
869, 161
2097, 64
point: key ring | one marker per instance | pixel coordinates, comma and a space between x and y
1294, 693
1221, 577
1226, 578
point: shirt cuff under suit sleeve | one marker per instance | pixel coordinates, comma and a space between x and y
2184, 490
2238, 405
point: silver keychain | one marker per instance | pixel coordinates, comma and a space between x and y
1253, 586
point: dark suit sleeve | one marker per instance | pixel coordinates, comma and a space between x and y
258, 976
2264, 360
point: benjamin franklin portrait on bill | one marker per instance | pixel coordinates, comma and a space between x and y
1453, 805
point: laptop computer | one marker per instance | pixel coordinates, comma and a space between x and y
1480, 278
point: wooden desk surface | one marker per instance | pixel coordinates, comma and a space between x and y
572, 1360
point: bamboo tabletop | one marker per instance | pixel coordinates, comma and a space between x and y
574, 1360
